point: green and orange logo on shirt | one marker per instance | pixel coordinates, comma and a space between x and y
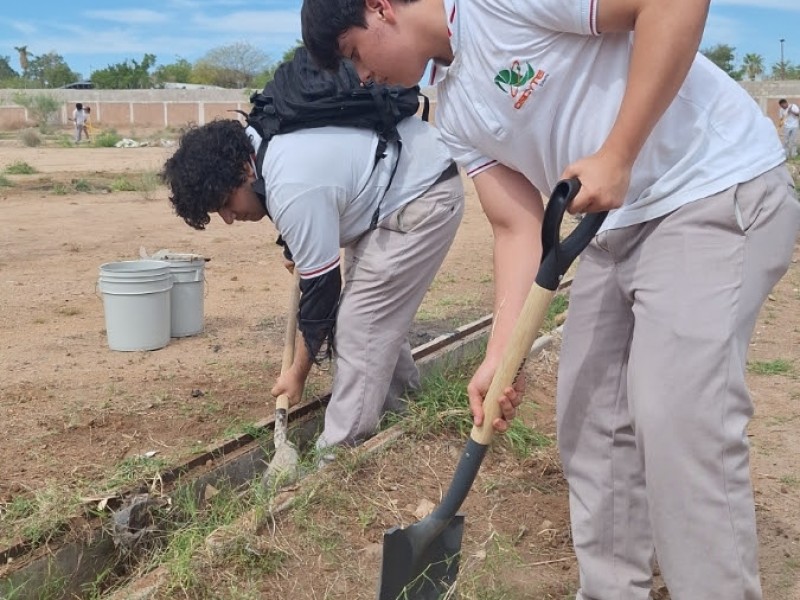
513, 80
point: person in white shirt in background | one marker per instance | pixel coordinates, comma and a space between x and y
789, 119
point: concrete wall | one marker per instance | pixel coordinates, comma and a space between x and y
131, 108
176, 108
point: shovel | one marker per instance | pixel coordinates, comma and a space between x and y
282, 469
420, 562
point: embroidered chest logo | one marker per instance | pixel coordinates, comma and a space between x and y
520, 85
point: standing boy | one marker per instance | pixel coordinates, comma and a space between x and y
79, 118
789, 117
652, 403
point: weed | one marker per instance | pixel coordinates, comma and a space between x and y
38, 516
82, 185
790, 480
559, 304
149, 181
5, 182
59, 189
523, 439
20, 168
772, 367
135, 468
122, 184
64, 141
106, 139
69, 311
30, 138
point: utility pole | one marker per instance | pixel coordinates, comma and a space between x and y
783, 64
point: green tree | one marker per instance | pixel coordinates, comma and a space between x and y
42, 107
6, 72
231, 66
178, 72
127, 75
785, 70
753, 66
722, 55
50, 70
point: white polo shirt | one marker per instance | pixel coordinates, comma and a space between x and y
322, 189
534, 87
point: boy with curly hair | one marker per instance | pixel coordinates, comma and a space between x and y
321, 188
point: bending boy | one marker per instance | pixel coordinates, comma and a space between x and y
321, 187
652, 405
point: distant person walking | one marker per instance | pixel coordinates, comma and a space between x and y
789, 119
79, 118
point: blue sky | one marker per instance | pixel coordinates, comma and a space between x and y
91, 34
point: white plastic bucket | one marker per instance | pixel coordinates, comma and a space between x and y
188, 276
136, 301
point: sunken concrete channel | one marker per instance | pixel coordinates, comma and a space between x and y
69, 568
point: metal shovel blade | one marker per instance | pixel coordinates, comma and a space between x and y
417, 566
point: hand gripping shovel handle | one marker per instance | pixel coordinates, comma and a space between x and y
557, 256
282, 402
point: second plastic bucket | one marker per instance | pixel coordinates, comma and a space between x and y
188, 277
136, 301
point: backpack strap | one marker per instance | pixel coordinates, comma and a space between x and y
390, 115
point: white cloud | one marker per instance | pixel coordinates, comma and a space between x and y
128, 16
24, 27
252, 22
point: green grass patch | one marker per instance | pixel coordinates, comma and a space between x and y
772, 367
123, 184
558, 305
5, 182
82, 185
133, 469
106, 139
20, 168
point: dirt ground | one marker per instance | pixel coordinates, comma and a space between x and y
72, 410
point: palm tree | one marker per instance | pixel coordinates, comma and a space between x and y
753, 65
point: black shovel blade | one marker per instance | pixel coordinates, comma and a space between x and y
417, 566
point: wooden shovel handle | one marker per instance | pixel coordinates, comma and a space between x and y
523, 335
282, 402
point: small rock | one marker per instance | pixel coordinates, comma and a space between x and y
771, 297
197, 393
424, 508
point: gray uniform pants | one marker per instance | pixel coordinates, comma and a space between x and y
652, 405
387, 273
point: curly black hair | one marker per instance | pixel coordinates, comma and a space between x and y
207, 166
323, 22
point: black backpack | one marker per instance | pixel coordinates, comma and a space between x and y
303, 96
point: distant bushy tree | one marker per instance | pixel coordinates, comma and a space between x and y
722, 55
42, 107
50, 70
232, 66
127, 75
6, 72
178, 72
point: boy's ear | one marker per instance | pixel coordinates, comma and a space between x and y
383, 8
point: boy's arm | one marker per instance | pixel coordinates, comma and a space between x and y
665, 42
514, 208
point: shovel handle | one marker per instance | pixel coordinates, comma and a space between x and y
557, 256
282, 402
